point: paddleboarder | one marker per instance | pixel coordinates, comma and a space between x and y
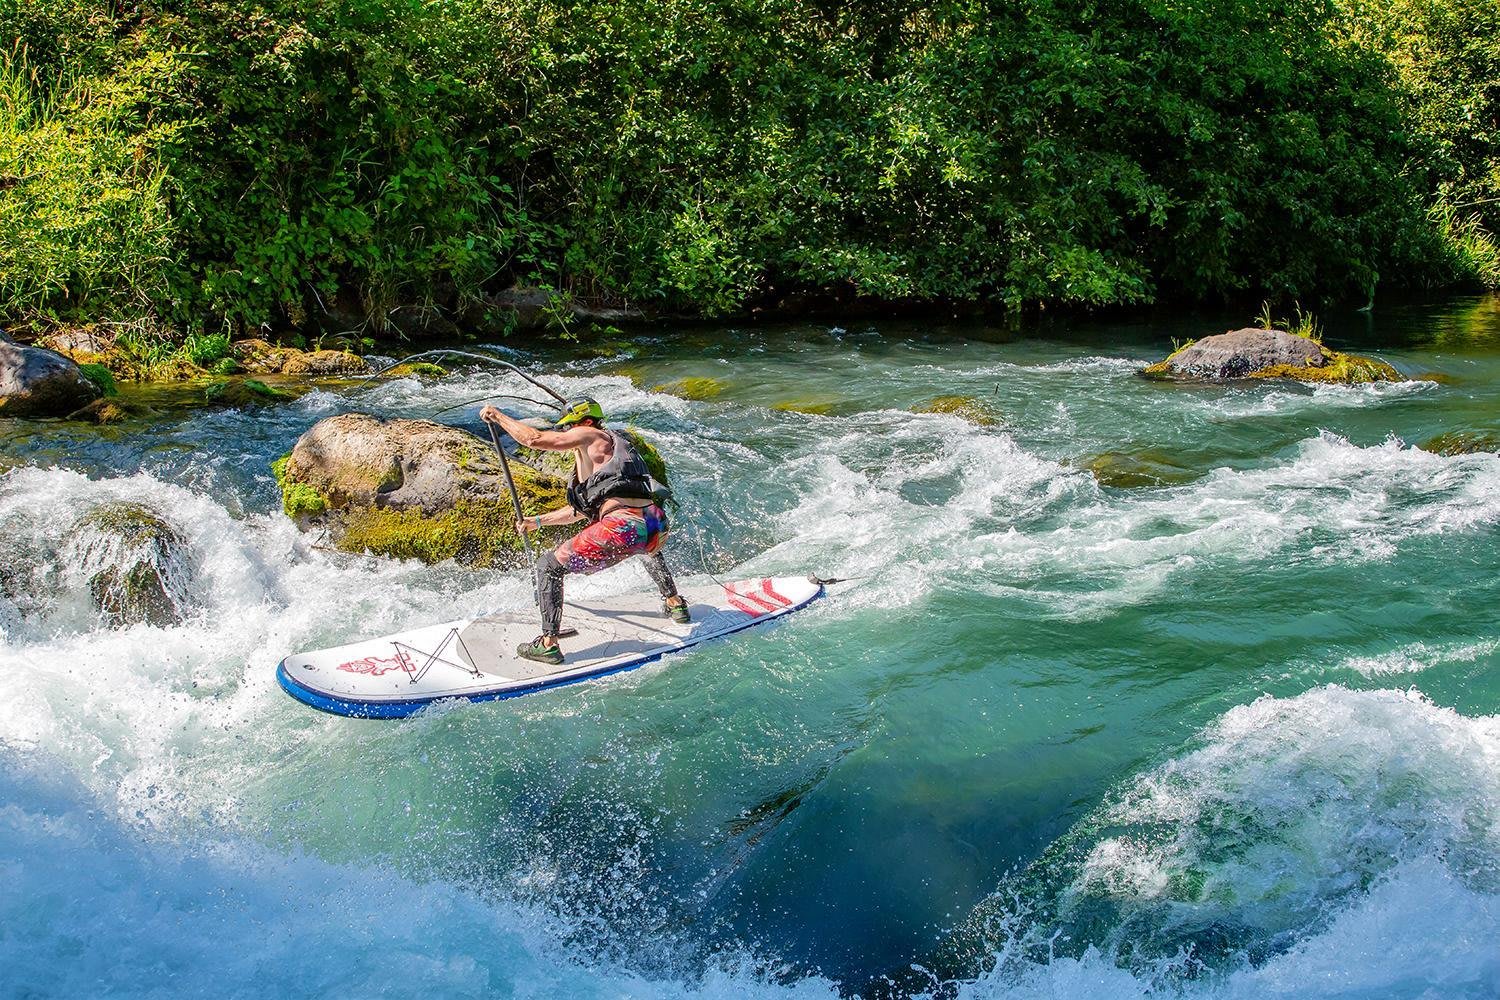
613, 490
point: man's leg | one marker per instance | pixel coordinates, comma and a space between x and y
600, 545
549, 597
655, 521
549, 592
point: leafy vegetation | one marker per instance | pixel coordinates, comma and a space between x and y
204, 165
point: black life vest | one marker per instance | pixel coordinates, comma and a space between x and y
625, 476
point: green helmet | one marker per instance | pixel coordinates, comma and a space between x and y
582, 408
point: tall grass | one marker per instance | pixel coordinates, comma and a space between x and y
85, 230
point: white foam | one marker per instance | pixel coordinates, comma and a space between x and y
1242, 402
1419, 656
91, 907
1291, 804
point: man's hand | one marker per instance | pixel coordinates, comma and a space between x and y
490, 415
527, 525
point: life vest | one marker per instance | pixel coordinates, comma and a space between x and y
625, 475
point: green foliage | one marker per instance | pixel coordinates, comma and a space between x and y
212, 165
85, 231
205, 350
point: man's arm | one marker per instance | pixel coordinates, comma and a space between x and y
530, 437
552, 519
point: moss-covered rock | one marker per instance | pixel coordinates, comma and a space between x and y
419, 369
298, 500
261, 357
1137, 470
1258, 353
1463, 443
137, 564
101, 376
965, 407
696, 388
1339, 368
239, 393
411, 489
324, 363
107, 410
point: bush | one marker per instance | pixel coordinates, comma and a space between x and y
85, 231
218, 166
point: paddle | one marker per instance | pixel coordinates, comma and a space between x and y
515, 501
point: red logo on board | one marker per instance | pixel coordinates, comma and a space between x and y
375, 666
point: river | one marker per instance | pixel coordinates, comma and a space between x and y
1233, 735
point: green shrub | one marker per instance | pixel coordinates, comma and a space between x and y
85, 231
220, 167
206, 350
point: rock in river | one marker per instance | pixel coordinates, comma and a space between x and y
410, 489
35, 382
137, 564
1258, 353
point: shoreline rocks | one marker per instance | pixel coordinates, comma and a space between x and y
1254, 352
36, 382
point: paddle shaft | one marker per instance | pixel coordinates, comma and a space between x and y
515, 501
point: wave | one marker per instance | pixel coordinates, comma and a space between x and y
1338, 843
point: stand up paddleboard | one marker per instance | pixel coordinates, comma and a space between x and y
475, 659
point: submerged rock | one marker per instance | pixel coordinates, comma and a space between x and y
108, 410
810, 405
410, 489
965, 407
136, 564
1258, 353
697, 388
419, 369
36, 382
1463, 443
1135, 470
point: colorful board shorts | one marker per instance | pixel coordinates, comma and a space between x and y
616, 536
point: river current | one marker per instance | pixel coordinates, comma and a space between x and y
1233, 734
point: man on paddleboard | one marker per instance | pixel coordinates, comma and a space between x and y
613, 490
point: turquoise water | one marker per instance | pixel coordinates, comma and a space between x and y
1235, 735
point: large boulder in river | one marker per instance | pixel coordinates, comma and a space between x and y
410, 489
35, 382
1258, 353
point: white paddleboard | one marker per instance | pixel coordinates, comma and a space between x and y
475, 658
